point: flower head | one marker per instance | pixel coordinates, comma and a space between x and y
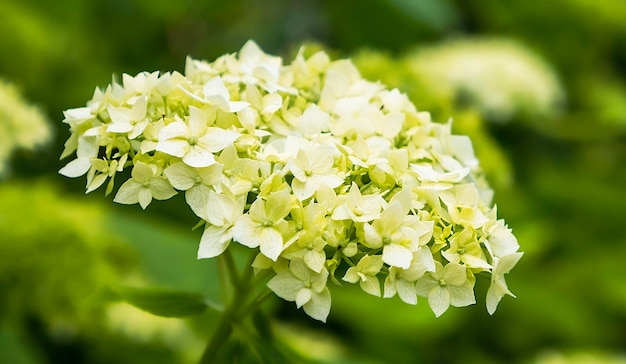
326, 174
22, 126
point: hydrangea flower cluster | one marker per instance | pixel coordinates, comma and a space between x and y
22, 126
503, 78
331, 177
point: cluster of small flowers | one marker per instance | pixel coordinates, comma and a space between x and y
503, 78
22, 126
329, 175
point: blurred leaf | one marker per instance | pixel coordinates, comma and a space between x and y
167, 251
165, 303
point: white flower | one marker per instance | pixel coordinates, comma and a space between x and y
498, 287
196, 182
312, 122
265, 224
365, 273
86, 151
216, 93
399, 233
311, 168
464, 247
106, 170
304, 286
221, 213
500, 78
195, 141
255, 66
144, 185
132, 121
462, 202
447, 286
402, 281
498, 238
359, 208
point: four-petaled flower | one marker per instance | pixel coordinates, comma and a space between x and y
264, 225
196, 182
144, 185
365, 272
446, 286
312, 168
193, 140
304, 286
132, 121
359, 208
402, 281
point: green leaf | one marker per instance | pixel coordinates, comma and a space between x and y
165, 303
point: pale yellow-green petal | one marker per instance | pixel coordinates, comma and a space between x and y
461, 296
351, 275
371, 285
285, 286
245, 231
128, 193
303, 297
439, 300
319, 305
161, 189
215, 240
144, 197
270, 242
181, 176
397, 255
407, 291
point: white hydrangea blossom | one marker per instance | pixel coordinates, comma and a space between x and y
503, 78
328, 175
22, 126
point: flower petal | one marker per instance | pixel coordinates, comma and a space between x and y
397, 255
245, 231
439, 300
371, 285
270, 241
128, 193
214, 241
285, 286
303, 297
319, 305
181, 176
407, 292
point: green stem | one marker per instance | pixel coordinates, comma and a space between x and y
231, 268
231, 315
253, 305
220, 336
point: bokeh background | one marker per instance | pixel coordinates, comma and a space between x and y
539, 86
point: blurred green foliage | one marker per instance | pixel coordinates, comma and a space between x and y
560, 181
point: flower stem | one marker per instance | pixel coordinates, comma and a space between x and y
231, 315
